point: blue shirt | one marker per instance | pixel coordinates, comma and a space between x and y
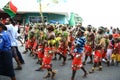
80, 42
5, 43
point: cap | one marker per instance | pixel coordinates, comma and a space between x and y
101, 28
82, 29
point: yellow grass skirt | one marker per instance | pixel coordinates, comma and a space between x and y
115, 57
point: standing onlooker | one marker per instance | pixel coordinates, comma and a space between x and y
17, 27
6, 63
13, 35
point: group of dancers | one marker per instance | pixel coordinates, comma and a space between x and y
47, 42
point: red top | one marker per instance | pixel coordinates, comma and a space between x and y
117, 48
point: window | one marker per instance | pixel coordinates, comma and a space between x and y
37, 19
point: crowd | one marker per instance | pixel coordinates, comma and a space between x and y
48, 42
9, 48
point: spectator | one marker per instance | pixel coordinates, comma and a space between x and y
6, 63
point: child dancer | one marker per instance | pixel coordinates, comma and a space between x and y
97, 59
79, 46
46, 64
109, 50
47, 60
116, 51
89, 48
89, 45
62, 50
40, 53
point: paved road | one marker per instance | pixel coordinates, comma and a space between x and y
64, 72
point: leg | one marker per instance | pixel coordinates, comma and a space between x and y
86, 56
18, 63
13, 78
60, 57
100, 66
73, 74
64, 60
14, 51
48, 74
108, 62
38, 61
108, 56
85, 72
93, 68
91, 59
40, 68
117, 63
20, 40
70, 56
55, 57
20, 56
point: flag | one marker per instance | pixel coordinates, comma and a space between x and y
10, 9
72, 20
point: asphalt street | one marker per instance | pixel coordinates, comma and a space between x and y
63, 72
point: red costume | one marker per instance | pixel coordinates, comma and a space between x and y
34, 45
97, 56
62, 49
77, 62
117, 48
40, 52
71, 40
29, 44
103, 53
88, 50
47, 58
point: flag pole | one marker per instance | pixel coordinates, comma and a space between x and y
40, 6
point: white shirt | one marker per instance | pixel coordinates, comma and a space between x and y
12, 33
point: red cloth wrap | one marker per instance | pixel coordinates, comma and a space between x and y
97, 56
77, 63
40, 52
47, 59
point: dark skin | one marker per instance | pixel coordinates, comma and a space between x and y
79, 34
1, 29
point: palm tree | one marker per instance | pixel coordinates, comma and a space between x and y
40, 6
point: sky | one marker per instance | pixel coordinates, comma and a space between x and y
95, 12
99, 12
